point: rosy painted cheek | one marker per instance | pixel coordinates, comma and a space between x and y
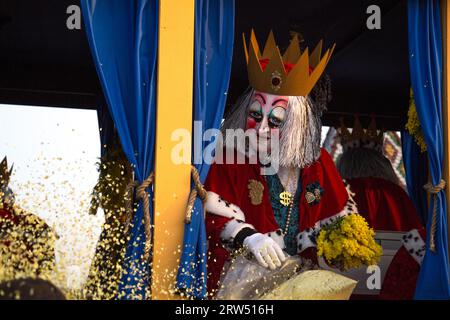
251, 123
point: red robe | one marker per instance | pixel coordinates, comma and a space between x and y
6, 215
37, 253
384, 204
387, 207
230, 182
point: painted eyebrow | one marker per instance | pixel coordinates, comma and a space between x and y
261, 96
279, 100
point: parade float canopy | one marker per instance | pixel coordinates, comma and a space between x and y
42, 62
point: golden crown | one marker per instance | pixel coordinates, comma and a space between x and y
274, 78
370, 138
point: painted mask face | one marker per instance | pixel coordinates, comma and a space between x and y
266, 113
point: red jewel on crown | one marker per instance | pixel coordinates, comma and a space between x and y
276, 80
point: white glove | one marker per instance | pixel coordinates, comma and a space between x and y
266, 251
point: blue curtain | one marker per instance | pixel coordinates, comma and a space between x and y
214, 36
106, 126
122, 35
416, 174
425, 55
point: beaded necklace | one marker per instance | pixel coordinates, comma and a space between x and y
287, 199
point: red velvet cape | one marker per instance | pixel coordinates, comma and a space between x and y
386, 206
230, 181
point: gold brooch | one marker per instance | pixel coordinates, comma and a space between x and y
314, 193
310, 197
255, 189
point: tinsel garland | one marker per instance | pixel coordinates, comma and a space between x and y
413, 126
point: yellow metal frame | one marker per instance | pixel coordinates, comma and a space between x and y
174, 111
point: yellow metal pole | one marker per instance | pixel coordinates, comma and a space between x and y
445, 10
174, 111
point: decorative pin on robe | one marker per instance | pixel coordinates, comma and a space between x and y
255, 192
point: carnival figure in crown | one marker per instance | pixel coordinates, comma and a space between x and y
384, 204
278, 212
26, 241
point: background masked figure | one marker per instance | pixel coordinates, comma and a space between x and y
383, 203
285, 209
26, 241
